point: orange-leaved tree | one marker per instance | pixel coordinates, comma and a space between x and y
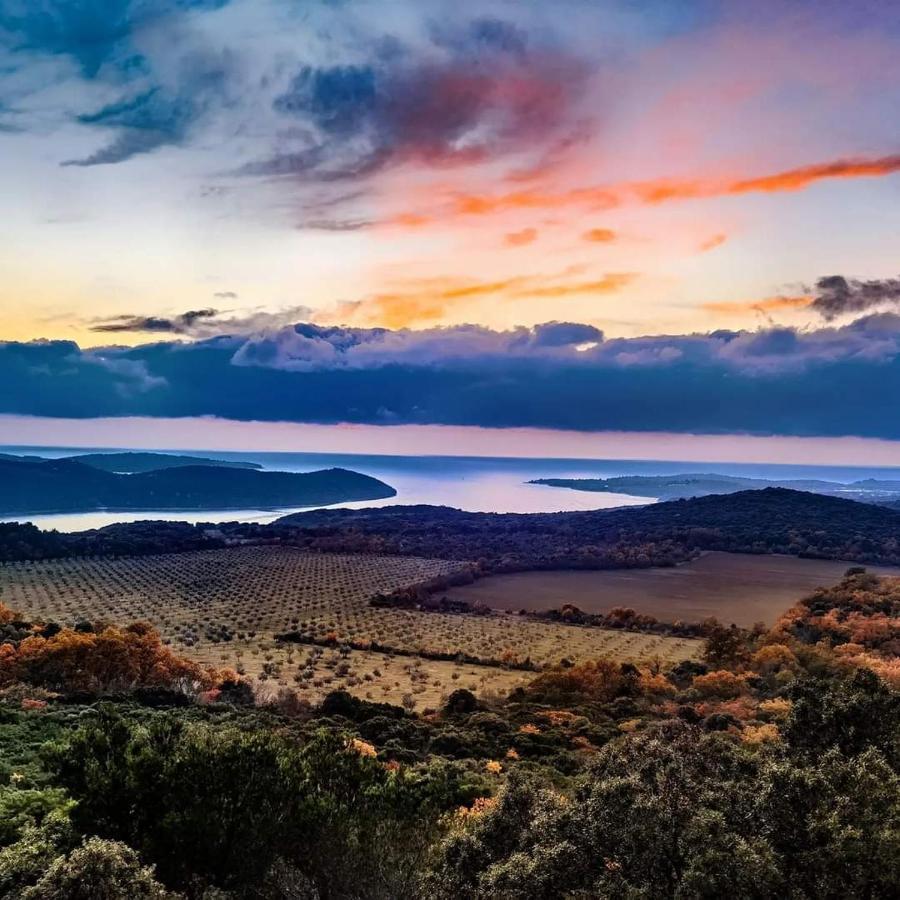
116, 658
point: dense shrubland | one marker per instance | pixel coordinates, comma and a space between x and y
769, 768
25, 541
774, 520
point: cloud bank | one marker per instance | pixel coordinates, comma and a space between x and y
827, 382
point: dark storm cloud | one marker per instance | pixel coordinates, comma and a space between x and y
833, 381
200, 323
58, 378
476, 90
835, 295
182, 324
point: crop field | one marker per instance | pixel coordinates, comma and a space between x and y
733, 587
224, 607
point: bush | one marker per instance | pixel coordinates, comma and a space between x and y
220, 805
22, 863
460, 701
98, 870
113, 659
722, 683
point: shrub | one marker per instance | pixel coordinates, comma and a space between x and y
597, 680
110, 660
461, 701
772, 658
98, 870
722, 684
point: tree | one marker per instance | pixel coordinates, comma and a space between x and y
461, 701
725, 647
98, 870
600, 679
673, 812
113, 659
23, 862
220, 806
720, 683
852, 715
661, 814
834, 823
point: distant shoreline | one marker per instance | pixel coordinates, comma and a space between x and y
70, 487
182, 509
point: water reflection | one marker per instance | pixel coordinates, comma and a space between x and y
475, 485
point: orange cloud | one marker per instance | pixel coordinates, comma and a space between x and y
711, 243
797, 179
521, 238
408, 220
788, 180
480, 289
393, 310
657, 191
608, 284
599, 235
480, 204
765, 305
430, 300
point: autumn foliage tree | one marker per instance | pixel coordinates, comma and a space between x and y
113, 659
600, 679
725, 646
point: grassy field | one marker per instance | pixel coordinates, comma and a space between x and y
732, 587
224, 607
312, 672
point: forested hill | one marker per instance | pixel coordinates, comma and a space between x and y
25, 541
773, 520
129, 462
30, 488
132, 462
681, 487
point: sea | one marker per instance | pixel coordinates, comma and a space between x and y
473, 483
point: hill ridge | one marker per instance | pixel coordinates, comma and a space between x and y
65, 485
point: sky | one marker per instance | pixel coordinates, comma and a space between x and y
225, 435
586, 215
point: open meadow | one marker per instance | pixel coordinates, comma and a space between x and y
733, 587
224, 607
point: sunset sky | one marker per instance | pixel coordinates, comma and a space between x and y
703, 196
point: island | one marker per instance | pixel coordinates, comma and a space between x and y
685, 486
129, 463
62, 485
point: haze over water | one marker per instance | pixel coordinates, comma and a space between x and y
476, 484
